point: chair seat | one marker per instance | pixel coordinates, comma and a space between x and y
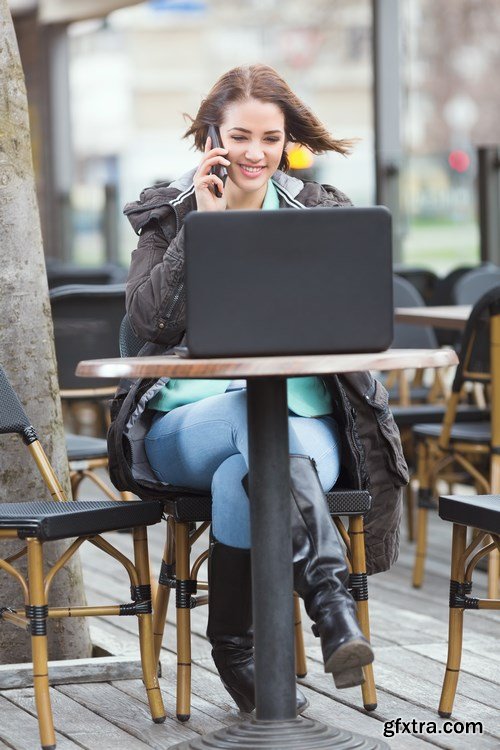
406, 416
49, 519
84, 448
480, 511
469, 432
348, 502
188, 506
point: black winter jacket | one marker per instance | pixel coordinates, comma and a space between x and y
372, 456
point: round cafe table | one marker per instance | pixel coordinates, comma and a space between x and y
275, 724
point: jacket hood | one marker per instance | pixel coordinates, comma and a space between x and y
157, 202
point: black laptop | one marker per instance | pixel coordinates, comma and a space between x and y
285, 282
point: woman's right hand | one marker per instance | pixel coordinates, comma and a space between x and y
206, 199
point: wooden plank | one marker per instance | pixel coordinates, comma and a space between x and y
85, 727
98, 669
399, 696
472, 663
127, 713
406, 626
413, 664
19, 729
424, 695
326, 709
213, 688
390, 592
205, 717
415, 619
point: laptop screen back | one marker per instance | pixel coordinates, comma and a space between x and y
288, 282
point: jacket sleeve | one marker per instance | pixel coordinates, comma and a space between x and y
155, 294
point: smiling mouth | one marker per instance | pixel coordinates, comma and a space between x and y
253, 170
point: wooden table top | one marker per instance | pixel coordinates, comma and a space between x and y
321, 364
451, 316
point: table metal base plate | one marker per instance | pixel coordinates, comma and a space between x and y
295, 734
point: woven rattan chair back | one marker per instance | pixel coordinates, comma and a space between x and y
475, 349
441, 449
38, 521
86, 326
129, 341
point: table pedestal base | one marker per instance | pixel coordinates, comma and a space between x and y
294, 734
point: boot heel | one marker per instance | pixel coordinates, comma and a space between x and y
349, 678
346, 663
245, 705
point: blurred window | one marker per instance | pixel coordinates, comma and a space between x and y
450, 107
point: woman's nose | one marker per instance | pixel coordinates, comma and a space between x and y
254, 153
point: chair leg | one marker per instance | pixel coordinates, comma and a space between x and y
300, 652
38, 617
410, 512
360, 591
421, 549
127, 496
493, 574
455, 627
424, 500
145, 620
166, 581
183, 620
76, 478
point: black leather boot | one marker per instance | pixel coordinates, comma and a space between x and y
230, 624
320, 578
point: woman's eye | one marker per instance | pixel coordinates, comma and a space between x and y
238, 138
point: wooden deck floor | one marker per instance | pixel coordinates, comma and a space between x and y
409, 635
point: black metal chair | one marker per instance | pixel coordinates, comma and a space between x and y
471, 287
186, 509
482, 513
86, 322
408, 336
413, 409
42, 520
454, 444
423, 279
64, 274
444, 294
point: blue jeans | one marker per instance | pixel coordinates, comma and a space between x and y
204, 445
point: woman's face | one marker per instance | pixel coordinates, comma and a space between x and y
254, 134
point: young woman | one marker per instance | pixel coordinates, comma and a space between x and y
198, 432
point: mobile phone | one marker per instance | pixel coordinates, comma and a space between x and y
219, 169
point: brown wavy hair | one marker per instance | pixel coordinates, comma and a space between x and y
265, 84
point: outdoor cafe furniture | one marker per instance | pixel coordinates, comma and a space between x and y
186, 507
268, 483
41, 520
404, 391
481, 513
479, 362
86, 320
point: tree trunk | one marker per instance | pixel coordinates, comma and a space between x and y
27, 354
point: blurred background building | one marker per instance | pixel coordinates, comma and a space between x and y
109, 93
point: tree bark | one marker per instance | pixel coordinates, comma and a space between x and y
27, 355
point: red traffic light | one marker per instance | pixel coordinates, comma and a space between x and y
459, 161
